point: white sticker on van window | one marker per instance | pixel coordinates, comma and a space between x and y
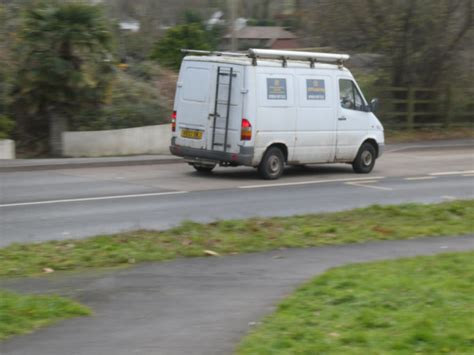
315, 89
276, 89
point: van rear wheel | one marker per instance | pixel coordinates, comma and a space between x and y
203, 168
272, 165
365, 160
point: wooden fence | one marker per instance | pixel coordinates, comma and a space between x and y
415, 107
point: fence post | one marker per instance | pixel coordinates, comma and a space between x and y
410, 108
448, 115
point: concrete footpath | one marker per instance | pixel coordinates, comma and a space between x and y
71, 163
191, 306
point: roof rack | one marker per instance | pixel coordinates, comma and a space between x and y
228, 54
284, 55
312, 57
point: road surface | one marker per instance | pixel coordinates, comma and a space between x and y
75, 203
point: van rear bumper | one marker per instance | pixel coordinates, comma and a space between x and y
244, 157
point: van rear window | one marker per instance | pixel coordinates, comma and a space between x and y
196, 84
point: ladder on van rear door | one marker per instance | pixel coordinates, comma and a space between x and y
224, 80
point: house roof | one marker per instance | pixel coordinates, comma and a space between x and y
263, 32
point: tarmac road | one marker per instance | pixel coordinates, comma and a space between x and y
201, 306
63, 203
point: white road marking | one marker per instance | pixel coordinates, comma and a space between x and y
468, 175
86, 199
297, 183
396, 150
415, 178
361, 184
452, 173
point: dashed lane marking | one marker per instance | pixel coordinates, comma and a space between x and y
86, 199
416, 178
297, 183
364, 184
452, 173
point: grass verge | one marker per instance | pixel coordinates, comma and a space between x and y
420, 305
242, 236
21, 314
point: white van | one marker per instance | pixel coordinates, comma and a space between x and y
270, 108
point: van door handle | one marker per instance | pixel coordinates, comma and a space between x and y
342, 119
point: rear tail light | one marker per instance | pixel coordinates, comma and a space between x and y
246, 130
173, 122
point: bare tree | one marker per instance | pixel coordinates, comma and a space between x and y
419, 37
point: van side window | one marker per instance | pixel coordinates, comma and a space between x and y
349, 95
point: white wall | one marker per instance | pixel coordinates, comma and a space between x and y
7, 149
129, 141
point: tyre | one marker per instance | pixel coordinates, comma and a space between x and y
272, 165
365, 160
203, 168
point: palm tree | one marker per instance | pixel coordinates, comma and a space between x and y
63, 46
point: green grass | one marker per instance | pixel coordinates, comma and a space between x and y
242, 236
20, 314
422, 305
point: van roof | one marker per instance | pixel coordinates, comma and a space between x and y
274, 63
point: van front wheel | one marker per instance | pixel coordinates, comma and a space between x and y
272, 165
365, 160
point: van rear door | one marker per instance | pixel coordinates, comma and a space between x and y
193, 104
226, 114
206, 118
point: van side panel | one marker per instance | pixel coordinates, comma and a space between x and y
276, 111
316, 118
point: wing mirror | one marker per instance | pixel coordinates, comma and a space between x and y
374, 105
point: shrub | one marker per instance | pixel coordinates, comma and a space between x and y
131, 103
190, 36
6, 127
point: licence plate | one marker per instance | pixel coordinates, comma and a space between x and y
191, 134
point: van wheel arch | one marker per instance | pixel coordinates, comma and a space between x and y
282, 147
374, 144
365, 159
273, 161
